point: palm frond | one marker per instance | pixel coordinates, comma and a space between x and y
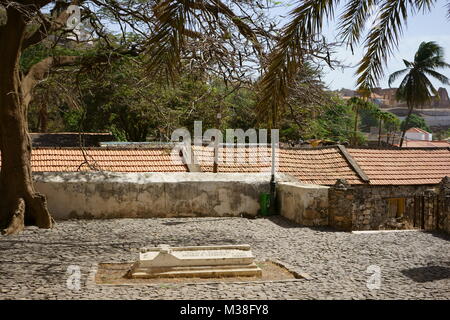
353, 20
383, 38
439, 76
164, 47
395, 75
430, 55
288, 56
381, 41
428, 50
408, 64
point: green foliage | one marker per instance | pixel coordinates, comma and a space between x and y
368, 120
415, 121
415, 88
334, 123
304, 30
40, 51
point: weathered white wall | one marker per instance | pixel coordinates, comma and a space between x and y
305, 204
128, 195
418, 136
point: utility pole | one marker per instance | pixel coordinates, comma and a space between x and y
216, 143
273, 186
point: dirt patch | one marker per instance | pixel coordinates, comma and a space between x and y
116, 273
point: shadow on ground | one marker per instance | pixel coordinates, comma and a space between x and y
427, 274
285, 223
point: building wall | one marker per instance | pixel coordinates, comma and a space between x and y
371, 207
362, 207
305, 204
444, 201
419, 136
130, 195
341, 206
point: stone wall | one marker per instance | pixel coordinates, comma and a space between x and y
129, 195
365, 207
341, 206
371, 206
444, 201
305, 204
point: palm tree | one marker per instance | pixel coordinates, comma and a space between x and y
416, 89
304, 30
383, 118
392, 124
358, 104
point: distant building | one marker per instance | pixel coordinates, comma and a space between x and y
418, 138
418, 134
386, 98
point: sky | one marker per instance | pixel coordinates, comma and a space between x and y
433, 26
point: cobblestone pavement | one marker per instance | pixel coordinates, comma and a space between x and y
33, 264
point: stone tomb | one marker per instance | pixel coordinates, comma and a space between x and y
201, 262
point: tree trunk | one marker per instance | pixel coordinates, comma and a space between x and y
20, 204
355, 129
379, 132
406, 125
43, 117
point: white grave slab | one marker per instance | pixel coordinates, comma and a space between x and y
201, 261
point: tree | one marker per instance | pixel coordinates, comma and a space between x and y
207, 36
416, 89
302, 37
392, 125
415, 121
358, 104
384, 118
24, 24
332, 122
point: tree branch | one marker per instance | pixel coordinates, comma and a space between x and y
46, 27
38, 72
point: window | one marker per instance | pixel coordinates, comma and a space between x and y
396, 207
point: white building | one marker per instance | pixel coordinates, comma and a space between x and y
418, 134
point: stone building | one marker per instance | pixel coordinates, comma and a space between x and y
346, 188
369, 188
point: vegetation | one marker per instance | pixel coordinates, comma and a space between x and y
415, 121
142, 68
302, 36
207, 36
416, 89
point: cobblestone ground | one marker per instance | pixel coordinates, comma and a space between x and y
33, 264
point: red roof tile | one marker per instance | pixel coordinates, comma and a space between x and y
314, 166
119, 160
417, 130
425, 144
403, 166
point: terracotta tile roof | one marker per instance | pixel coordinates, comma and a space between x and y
314, 166
249, 160
120, 160
317, 166
425, 144
324, 165
403, 166
417, 130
